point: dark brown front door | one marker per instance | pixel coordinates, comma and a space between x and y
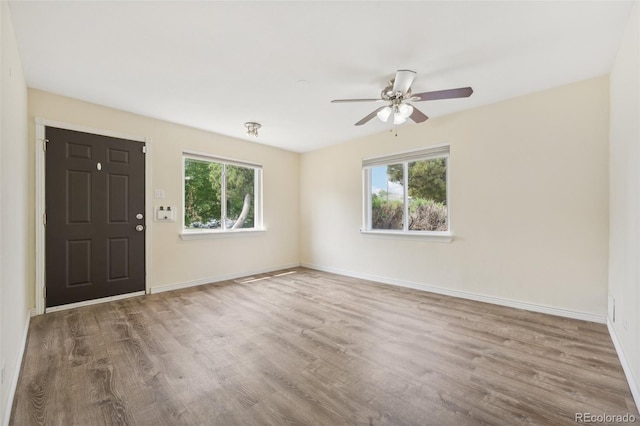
94, 202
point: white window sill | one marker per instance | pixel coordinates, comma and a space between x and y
200, 235
440, 237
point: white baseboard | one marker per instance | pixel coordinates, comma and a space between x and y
633, 385
16, 371
186, 284
465, 295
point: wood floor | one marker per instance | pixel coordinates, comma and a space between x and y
303, 347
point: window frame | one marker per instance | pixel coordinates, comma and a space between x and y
404, 158
199, 233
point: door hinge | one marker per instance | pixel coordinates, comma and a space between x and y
44, 144
44, 290
44, 219
144, 149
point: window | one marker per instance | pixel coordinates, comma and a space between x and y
221, 195
407, 192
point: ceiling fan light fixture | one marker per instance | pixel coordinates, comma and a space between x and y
384, 114
398, 119
401, 113
405, 110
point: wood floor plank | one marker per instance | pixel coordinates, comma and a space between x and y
305, 347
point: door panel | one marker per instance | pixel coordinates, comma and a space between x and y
75, 150
79, 196
118, 190
94, 189
78, 262
118, 258
118, 156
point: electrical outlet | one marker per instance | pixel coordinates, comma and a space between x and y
165, 214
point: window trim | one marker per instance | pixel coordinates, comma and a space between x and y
192, 234
404, 158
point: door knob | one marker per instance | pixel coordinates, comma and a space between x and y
139, 228
139, 216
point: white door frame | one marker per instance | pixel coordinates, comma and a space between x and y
40, 124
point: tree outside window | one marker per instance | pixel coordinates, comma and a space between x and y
218, 195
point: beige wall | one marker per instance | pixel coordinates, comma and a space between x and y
176, 262
624, 228
529, 204
14, 196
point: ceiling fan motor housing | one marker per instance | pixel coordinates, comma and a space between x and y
389, 95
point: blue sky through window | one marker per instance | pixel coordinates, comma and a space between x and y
380, 182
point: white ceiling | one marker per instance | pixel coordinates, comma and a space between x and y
216, 65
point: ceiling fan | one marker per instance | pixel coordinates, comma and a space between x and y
397, 95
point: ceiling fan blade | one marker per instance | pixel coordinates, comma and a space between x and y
463, 92
368, 117
336, 101
418, 116
403, 80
